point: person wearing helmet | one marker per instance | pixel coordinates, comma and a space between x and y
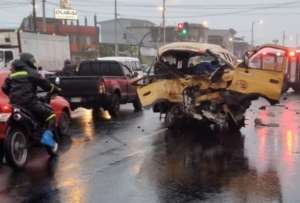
68, 68
21, 88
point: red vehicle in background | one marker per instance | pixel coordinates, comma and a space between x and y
293, 71
60, 106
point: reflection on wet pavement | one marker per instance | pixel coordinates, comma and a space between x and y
134, 159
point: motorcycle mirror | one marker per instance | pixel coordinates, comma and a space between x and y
57, 81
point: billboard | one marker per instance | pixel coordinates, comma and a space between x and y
66, 14
65, 4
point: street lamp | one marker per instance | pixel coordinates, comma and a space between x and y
163, 24
252, 30
205, 24
164, 20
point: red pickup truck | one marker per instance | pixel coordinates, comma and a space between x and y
97, 84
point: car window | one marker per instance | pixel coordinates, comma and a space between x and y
98, 68
255, 62
8, 56
115, 69
85, 69
268, 59
126, 70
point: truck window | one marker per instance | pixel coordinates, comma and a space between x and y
101, 68
115, 69
86, 69
126, 71
8, 56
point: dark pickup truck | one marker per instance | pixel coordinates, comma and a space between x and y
100, 84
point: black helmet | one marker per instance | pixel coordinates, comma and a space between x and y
67, 62
18, 64
28, 59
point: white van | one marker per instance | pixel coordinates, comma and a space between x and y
132, 63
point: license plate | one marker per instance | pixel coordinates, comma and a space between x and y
76, 99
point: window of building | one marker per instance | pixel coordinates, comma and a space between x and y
88, 40
1, 56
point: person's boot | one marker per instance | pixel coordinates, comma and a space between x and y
48, 140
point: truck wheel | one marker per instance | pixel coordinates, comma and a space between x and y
114, 107
137, 105
64, 124
16, 148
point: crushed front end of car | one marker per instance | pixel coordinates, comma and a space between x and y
197, 81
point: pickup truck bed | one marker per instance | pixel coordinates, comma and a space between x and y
98, 84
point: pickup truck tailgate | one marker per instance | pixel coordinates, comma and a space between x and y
79, 86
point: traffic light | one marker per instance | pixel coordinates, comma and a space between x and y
183, 29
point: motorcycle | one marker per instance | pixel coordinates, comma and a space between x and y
24, 131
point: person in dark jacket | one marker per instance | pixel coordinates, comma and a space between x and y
68, 68
21, 88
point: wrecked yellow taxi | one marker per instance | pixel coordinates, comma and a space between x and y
205, 82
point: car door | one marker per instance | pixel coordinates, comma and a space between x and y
263, 74
129, 76
115, 70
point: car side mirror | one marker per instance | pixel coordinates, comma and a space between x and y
57, 81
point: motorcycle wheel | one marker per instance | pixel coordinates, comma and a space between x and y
16, 148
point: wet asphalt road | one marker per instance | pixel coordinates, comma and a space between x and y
134, 159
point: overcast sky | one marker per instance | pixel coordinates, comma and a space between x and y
278, 15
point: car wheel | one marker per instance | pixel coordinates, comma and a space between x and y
137, 105
114, 108
64, 124
16, 148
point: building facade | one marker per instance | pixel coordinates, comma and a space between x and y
84, 39
222, 37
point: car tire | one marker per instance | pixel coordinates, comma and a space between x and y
16, 148
64, 124
114, 107
137, 105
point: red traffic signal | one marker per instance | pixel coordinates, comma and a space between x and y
180, 26
182, 29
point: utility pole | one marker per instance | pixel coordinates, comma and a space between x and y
34, 15
252, 34
164, 21
98, 34
116, 30
283, 38
44, 17
297, 40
